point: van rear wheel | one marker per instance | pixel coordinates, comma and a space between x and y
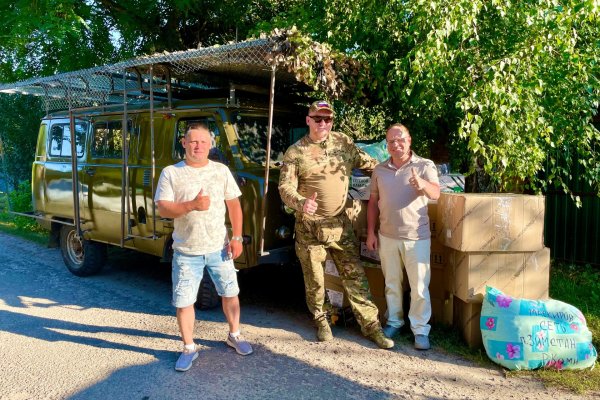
82, 257
207, 293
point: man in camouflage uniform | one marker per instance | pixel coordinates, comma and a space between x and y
314, 181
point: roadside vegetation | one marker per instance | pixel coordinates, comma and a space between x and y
25, 227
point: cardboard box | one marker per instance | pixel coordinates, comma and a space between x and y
491, 222
442, 310
330, 268
466, 320
335, 288
433, 214
523, 274
375, 278
381, 307
440, 291
438, 253
360, 188
339, 300
333, 285
337, 297
440, 285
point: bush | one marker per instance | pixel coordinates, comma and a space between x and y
20, 201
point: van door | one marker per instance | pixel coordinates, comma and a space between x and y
103, 177
54, 197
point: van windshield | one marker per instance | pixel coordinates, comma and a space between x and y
251, 130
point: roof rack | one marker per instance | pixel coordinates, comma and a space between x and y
174, 76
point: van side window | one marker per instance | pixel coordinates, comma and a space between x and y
216, 154
108, 139
60, 139
252, 135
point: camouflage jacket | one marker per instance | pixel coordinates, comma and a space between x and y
324, 168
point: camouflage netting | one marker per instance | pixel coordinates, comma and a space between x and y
301, 66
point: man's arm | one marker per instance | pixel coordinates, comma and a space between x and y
288, 183
171, 209
363, 161
372, 218
234, 210
430, 189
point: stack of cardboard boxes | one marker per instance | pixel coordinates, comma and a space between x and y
492, 240
477, 240
440, 286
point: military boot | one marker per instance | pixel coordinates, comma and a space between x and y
323, 330
379, 338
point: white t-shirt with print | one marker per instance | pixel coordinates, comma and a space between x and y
198, 232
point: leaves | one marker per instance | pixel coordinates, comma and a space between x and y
513, 84
510, 87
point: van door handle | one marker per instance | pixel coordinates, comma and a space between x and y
90, 171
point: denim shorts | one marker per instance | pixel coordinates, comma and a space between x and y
188, 270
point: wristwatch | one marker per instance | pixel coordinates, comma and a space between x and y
238, 238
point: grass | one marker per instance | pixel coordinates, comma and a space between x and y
24, 227
7, 226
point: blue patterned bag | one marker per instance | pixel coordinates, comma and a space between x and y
530, 334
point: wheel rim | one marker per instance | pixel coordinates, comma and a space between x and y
74, 248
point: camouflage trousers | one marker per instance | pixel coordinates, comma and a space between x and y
315, 236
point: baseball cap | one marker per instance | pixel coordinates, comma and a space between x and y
319, 106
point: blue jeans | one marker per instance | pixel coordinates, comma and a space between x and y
188, 270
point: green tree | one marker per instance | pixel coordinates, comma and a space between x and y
512, 86
45, 37
19, 124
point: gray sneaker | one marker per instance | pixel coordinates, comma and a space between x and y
422, 342
391, 331
239, 344
184, 362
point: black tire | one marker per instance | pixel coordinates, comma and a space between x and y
207, 293
82, 257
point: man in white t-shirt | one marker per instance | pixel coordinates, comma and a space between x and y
196, 193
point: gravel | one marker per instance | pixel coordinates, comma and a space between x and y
114, 336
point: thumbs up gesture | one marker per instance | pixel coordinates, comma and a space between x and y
416, 181
201, 202
310, 204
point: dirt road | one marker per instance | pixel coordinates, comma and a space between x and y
114, 336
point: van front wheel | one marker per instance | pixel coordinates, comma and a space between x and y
82, 257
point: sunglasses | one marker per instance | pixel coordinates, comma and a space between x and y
319, 119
